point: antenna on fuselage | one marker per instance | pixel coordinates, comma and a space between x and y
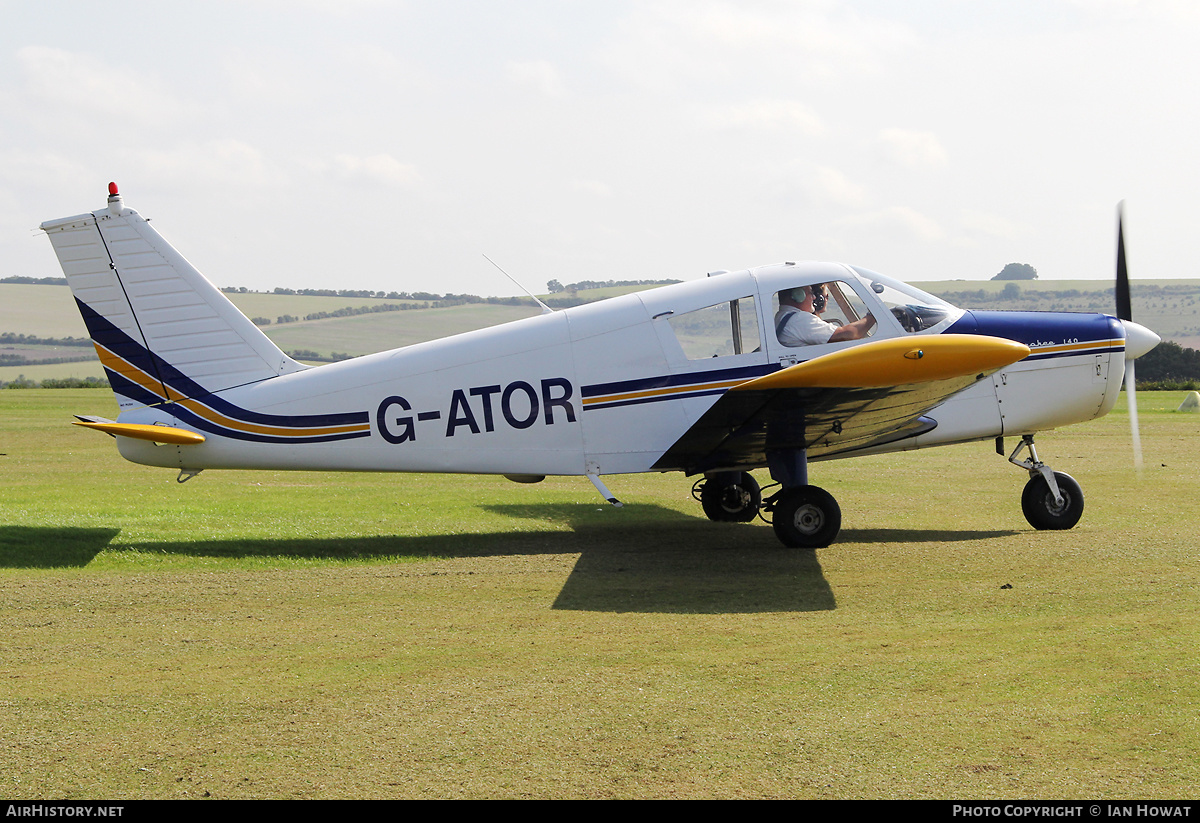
545, 309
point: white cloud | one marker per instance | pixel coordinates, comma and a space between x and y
790, 115
377, 168
593, 187
539, 75
74, 90
990, 225
897, 223
915, 149
222, 163
831, 186
667, 44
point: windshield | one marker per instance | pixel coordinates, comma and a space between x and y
916, 310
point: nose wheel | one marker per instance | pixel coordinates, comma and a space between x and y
1045, 510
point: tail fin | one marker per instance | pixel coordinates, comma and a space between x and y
163, 331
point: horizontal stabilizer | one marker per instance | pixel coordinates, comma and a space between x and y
140, 431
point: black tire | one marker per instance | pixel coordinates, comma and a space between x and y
806, 517
1040, 508
735, 502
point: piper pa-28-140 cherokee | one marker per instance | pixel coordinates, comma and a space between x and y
693, 377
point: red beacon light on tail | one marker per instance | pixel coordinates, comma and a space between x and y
114, 199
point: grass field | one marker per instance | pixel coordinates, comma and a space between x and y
275, 635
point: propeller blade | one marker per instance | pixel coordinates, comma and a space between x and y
1124, 308
1135, 346
1131, 397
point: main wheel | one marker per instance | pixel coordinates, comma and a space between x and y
1040, 507
735, 502
806, 517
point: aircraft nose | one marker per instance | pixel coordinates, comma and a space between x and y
1138, 339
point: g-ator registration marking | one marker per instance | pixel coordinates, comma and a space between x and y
520, 406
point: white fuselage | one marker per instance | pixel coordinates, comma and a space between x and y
606, 388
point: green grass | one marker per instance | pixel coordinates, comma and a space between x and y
312, 635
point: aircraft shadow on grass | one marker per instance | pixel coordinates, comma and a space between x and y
658, 560
51, 547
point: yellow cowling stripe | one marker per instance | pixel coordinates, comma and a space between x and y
897, 362
140, 431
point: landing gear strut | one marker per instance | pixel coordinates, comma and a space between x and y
1051, 500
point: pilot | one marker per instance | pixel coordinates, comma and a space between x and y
796, 323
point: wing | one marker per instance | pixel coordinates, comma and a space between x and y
862, 396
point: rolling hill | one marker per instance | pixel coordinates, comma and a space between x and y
1170, 307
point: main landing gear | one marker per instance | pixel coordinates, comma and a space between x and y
803, 516
1051, 500
729, 497
808, 517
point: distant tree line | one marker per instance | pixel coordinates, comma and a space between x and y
1013, 291
448, 299
1169, 365
22, 360
9, 339
309, 354
554, 287
35, 281
23, 382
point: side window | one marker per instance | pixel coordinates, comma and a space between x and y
718, 331
820, 313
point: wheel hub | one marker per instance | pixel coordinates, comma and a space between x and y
735, 499
1053, 506
809, 519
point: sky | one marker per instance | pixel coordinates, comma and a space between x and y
389, 146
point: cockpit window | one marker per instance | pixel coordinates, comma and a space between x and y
718, 331
914, 309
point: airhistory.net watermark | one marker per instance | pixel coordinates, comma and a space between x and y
61, 810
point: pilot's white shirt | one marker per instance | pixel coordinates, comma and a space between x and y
795, 327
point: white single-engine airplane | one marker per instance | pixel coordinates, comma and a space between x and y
707, 377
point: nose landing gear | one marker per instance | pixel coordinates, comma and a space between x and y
1050, 500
